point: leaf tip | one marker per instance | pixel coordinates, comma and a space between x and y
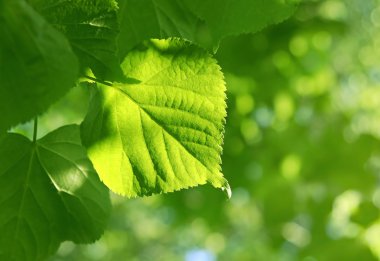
227, 189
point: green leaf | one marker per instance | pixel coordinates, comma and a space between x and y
49, 193
164, 132
91, 26
37, 65
204, 22
145, 19
233, 17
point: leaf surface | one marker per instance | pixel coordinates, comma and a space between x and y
37, 65
164, 132
144, 19
204, 22
232, 17
49, 193
91, 27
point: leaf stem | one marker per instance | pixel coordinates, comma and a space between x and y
35, 129
97, 80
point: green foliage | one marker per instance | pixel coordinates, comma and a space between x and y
233, 17
155, 122
49, 193
144, 19
91, 28
204, 22
164, 132
37, 66
301, 152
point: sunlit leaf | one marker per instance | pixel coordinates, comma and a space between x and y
164, 132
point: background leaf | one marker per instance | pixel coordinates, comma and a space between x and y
37, 65
164, 132
144, 19
91, 28
233, 17
49, 193
204, 22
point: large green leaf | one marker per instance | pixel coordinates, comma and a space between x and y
204, 22
164, 132
91, 27
49, 193
37, 65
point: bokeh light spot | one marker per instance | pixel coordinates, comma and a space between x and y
291, 166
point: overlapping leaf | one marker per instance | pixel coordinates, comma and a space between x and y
91, 27
232, 17
204, 22
144, 19
37, 65
164, 132
49, 193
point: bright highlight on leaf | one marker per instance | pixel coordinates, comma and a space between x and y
164, 131
49, 193
37, 65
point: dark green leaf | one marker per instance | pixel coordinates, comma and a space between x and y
37, 65
91, 27
204, 22
144, 19
233, 17
49, 193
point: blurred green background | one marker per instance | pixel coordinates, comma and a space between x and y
302, 152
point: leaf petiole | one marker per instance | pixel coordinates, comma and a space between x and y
97, 80
35, 129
